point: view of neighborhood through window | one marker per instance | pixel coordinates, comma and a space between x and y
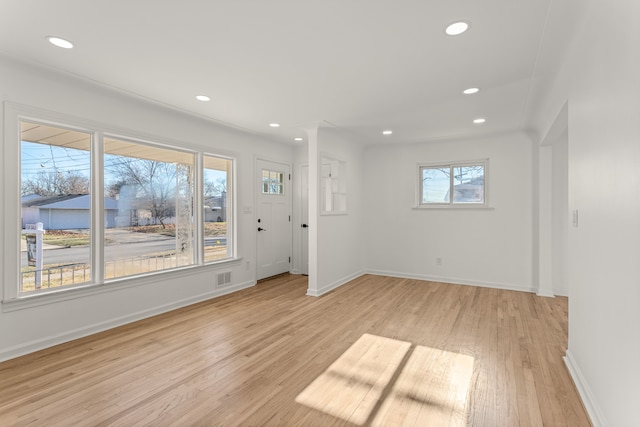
217, 210
55, 187
148, 208
147, 223
452, 184
272, 182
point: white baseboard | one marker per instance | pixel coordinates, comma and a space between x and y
334, 285
33, 346
545, 293
561, 292
452, 280
588, 399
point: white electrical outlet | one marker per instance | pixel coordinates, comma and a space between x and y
438, 261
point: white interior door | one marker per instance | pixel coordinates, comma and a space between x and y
304, 213
273, 218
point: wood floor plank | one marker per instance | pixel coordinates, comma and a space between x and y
377, 351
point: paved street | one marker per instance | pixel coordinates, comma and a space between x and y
125, 244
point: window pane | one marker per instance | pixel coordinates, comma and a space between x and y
468, 184
272, 182
217, 208
280, 187
265, 181
148, 208
55, 184
435, 185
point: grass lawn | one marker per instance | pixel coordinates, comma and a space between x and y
66, 238
210, 229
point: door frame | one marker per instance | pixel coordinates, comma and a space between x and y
304, 249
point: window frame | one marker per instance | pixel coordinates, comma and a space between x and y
451, 204
232, 247
12, 296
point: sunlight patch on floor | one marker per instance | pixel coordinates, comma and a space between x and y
432, 390
351, 387
387, 382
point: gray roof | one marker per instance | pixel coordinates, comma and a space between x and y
67, 201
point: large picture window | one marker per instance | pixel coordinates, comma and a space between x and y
151, 227
455, 184
96, 208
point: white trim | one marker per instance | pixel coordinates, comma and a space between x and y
198, 211
41, 344
561, 292
545, 293
588, 399
418, 204
10, 261
452, 280
334, 285
453, 206
97, 227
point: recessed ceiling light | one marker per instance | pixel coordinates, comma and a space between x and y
203, 98
479, 121
57, 41
274, 125
387, 132
457, 28
298, 139
471, 90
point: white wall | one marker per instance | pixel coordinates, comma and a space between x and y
28, 329
340, 239
599, 78
490, 247
604, 186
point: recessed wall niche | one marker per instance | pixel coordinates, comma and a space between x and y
333, 185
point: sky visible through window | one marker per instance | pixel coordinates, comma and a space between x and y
467, 183
37, 158
49, 158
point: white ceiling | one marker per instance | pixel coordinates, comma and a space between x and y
361, 65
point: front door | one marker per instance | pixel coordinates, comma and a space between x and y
273, 218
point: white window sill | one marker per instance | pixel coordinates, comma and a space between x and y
59, 295
447, 206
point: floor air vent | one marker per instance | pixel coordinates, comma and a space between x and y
224, 278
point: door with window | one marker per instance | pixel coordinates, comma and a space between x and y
273, 218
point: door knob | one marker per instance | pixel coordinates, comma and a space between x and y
262, 229
305, 226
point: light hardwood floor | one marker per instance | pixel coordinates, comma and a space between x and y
377, 351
